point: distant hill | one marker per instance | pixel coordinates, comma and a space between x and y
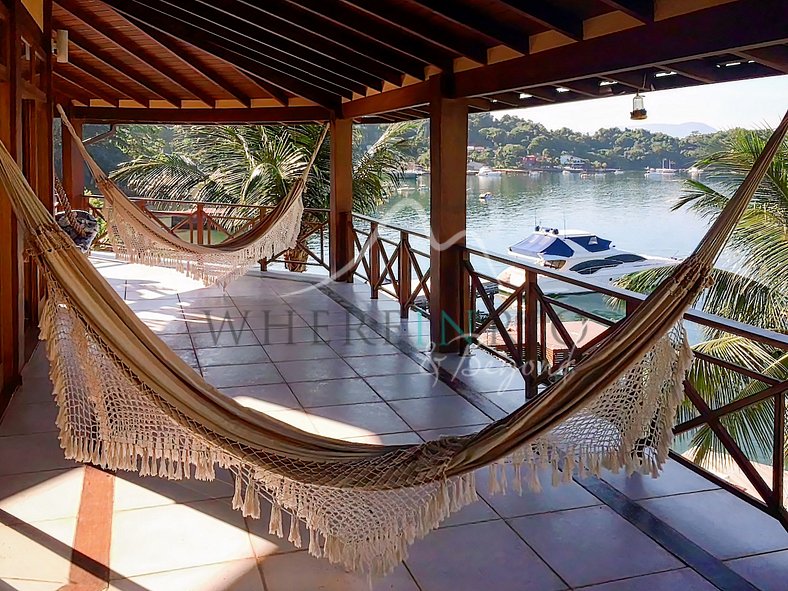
678, 129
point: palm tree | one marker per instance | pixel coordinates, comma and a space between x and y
255, 165
756, 294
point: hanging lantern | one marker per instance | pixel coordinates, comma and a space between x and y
638, 109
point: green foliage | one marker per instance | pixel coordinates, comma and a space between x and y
255, 164
757, 294
508, 138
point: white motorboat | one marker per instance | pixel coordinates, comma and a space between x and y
487, 171
578, 254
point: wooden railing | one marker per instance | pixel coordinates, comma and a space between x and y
211, 223
529, 329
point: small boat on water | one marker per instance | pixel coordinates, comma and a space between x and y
578, 254
484, 197
487, 171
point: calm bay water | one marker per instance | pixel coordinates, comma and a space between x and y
629, 209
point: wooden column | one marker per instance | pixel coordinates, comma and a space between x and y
449, 293
340, 236
11, 304
73, 166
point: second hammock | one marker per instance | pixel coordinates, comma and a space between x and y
137, 238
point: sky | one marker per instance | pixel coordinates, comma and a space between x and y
747, 103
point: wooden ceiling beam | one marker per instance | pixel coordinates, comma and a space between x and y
283, 19
415, 24
775, 57
549, 16
127, 46
272, 40
415, 95
137, 14
478, 21
253, 115
234, 37
546, 94
122, 69
643, 10
589, 88
637, 48
386, 42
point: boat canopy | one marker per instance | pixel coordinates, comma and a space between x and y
591, 242
544, 246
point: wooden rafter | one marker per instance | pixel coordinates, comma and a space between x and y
71, 89
417, 25
478, 21
643, 10
139, 14
550, 17
94, 87
701, 72
281, 19
123, 44
109, 61
122, 87
367, 33
224, 20
775, 57
193, 26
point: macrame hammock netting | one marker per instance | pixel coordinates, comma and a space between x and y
135, 237
128, 402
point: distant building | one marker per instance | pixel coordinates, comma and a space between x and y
570, 160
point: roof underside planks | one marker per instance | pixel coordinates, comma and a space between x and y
370, 61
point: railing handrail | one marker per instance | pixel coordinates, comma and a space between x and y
367, 218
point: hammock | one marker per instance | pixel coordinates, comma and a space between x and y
80, 225
137, 238
126, 401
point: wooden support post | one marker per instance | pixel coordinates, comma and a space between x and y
73, 167
405, 284
374, 260
340, 237
449, 293
200, 224
11, 268
531, 366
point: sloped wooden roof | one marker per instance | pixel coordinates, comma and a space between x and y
231, 59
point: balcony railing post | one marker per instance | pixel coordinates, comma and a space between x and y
200, 215
405, 288
531, 370
374, 260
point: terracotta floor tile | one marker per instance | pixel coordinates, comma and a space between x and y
42, 496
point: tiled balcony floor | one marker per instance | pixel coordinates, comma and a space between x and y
328, 360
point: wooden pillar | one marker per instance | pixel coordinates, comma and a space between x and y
340, 237
11, 260
449, 293
73, 166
